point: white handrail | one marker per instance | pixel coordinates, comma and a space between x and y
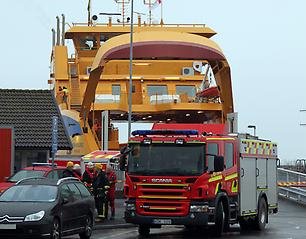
293, 193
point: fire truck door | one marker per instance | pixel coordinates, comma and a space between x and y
261, 175
248, 197
272, 181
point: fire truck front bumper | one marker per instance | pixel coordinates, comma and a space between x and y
196, 217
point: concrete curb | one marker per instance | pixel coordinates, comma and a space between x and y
113, 226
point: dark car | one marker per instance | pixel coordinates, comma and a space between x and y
37, 170
42, 207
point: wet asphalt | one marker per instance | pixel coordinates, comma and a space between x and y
288, 223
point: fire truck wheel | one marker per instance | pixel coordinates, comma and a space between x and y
261, 218
143, 230
219, 220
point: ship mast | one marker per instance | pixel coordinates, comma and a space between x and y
124, 4
152, 4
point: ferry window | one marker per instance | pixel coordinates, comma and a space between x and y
102, 39
212, 148
73, 69
116, 89
229, 155
88, 43
157, 90
186, 89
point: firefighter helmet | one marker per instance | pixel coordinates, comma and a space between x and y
69, 164
98, 166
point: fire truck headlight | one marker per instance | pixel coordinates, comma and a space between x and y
130, 207
179, 141
147, 141
199, 208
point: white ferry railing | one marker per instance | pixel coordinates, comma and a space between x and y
199, 25
291, 185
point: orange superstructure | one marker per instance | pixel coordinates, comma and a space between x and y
172, 65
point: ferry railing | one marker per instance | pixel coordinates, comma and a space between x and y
300, 165
292, 185
149, 99
145, 25
164, 99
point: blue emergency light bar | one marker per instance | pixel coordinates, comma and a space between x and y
165, 132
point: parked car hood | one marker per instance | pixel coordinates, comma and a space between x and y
22, 209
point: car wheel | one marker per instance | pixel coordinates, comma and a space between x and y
88, 228
56, 229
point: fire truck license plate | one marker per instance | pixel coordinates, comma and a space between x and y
162, 221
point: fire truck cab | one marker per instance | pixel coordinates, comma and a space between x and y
183, 177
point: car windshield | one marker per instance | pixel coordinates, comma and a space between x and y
167, 159
30, 193
22, 174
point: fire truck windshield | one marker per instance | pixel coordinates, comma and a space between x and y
167, 159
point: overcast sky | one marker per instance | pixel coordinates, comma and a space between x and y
263, 40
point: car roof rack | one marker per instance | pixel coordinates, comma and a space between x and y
29, 178
66, 179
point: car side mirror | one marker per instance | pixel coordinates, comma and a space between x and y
218, 163
64, 201
67, 198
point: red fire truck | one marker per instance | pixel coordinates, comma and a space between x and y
197, 178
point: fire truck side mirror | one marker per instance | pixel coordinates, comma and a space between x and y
218, 163
124, 151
